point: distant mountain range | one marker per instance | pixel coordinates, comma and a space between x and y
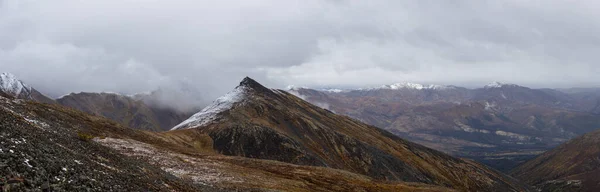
500, 124
141, 111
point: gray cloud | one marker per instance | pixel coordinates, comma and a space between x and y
133, 46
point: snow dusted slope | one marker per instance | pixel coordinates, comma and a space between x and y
210, 113
496, 84
413, 86
11, 85
395, 86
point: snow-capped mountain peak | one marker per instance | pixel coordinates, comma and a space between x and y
395, 86
333, 90
497, 84
11, 85
416, 86
211, 112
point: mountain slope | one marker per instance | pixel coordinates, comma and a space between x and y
10, 85
257, 122
587, 99
502, 139
55, 148
126, 110
573, 166
46, 148
514, 95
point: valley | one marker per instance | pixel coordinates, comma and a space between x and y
501, 125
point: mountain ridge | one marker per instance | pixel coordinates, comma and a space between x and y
124, 109
276, 125
572, 166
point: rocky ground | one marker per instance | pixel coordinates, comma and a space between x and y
39, 154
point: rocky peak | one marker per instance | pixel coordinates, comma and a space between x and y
251, 84
211, 113
9, 84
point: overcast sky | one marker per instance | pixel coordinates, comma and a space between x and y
62, 46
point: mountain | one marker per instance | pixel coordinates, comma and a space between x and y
49, 147
10, 85
137, 112
501, 125
516, 95
141, 111
256, 122
572, 166
482, 131
587, 99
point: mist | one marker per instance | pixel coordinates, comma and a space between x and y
133, 46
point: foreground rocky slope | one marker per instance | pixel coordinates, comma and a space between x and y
50, 147
257, 122
44, 148
501, 125
573, 166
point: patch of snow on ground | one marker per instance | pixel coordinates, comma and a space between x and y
469, 129
489, 106
209, 114
513, 135
37, 123
201, 171
27, 163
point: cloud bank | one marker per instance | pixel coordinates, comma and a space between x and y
132, 46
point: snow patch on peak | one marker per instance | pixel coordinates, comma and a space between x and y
11, 85
497, 84
333, 90
494, 84
416, 86
210, 113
